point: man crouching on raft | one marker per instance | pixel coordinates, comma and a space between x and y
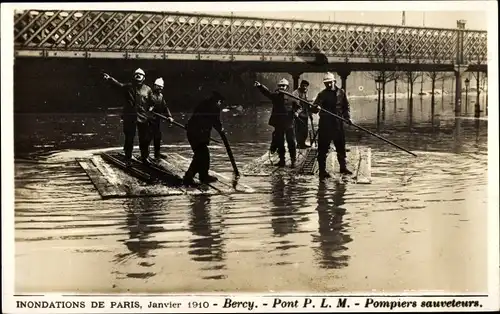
330, 128
205, 116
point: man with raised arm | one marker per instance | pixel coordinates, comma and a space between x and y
282, 119
135, 113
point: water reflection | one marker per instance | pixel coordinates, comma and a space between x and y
332, 230
477, 125
283, 209
206, 244
144, 218
457, 133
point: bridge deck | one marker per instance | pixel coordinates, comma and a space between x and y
178, 36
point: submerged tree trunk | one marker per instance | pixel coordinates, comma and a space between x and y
422, 85
433, 87
408, 90
395, 92
411, 92
478, 88
410, 109
383, 98
442, 92
453, 85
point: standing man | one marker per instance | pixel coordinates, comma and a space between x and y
330, 128
159, 105
135, 113
281, 119
302, 120
205, 116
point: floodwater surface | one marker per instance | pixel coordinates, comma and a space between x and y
421, 224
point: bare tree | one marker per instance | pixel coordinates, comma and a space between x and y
410, 76
387, 54
433, 75
477, 77
443, 76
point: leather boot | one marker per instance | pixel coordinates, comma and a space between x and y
281, 163
343, 166
322, 168
293, 158
208, 179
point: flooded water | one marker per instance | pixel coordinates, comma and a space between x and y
421, 224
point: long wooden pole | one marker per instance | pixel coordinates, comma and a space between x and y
179, 125
229, 153
348, 122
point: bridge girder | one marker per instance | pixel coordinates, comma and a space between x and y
165, 35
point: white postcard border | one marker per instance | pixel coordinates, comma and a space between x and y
8, 234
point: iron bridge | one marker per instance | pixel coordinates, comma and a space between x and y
182, 36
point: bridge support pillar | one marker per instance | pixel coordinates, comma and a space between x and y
459, 71
296, 78
343, 78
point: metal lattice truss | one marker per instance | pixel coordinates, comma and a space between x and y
172, 35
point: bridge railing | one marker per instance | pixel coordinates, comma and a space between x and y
124, 31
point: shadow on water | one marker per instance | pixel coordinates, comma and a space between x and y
283, 210
332, 228
201, 237
206, 245
144, 217
288, 199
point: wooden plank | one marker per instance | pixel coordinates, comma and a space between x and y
168, 163
118, 161
102, 185
224, 184
133, 186
182, 163
265, 165
358, 161
175, 176
115, 185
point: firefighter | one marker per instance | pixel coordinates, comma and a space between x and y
282, 119
330, 128
159, 105
206, 116
302, 120
135, 113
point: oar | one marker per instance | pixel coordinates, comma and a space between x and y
180, 125
229, 153
346, 121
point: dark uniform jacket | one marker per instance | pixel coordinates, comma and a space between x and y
282, 114
303, 107
335, 101
158, 105
138, 100
206, 116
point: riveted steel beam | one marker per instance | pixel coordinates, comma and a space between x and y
178, 33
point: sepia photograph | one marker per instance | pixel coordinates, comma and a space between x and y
336, 148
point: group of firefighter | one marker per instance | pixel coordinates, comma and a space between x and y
145, 107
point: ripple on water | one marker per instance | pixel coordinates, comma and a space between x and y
293, 229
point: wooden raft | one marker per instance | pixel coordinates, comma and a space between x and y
358, 161
113, 179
